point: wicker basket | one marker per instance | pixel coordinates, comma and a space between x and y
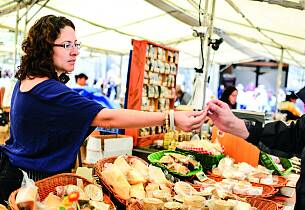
259, 203
262, 204
48, 185
100, 166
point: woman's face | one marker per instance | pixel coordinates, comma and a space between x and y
233, 96
64, 58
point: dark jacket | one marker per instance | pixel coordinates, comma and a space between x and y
288, 139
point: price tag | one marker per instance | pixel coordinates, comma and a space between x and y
201, 176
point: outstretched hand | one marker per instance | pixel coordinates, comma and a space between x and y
225, 120
190, 120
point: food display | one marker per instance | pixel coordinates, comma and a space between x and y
175, 162
243, 171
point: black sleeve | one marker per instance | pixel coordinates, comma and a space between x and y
279, 136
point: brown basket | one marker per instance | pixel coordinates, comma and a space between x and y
100, 166
263, 204
48, 185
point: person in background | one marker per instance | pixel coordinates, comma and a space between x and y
81, 80
229, 96
182, 97
289, 107
49, 121
277, 136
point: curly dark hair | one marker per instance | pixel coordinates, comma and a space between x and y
38, 48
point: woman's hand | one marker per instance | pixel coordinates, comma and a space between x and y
225, 120
190, 120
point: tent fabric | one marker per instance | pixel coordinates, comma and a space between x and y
251, 29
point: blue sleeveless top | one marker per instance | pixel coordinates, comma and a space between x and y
48, 125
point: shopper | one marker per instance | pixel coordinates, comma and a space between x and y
81, 80
275, 135
49, 121
229, 96
289, 107
182, 97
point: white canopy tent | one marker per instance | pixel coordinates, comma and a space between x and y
251, 29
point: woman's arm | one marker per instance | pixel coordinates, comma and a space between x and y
127, 118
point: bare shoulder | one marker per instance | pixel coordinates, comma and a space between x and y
27, 84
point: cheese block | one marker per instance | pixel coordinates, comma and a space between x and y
173, 206
99, 205
223, 205
137, 191
26, 198
94, 192
52, 202
139, 166
162, 195
115, 178
152, 203
194, 201
135, 177
121, 163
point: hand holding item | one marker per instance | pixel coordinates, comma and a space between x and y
190, 121
225, 120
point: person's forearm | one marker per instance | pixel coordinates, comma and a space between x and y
127, 118
238, 128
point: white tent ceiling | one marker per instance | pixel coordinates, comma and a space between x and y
251, 29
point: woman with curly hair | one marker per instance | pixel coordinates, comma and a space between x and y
49, 121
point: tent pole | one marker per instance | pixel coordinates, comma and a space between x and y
16, 37
207, 63
279, 79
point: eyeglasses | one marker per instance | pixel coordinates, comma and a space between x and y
69, 45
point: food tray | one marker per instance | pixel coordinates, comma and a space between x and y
206, 160
155, 157
48, 185
100, 166
267, 161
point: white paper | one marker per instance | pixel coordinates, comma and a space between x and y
118, 146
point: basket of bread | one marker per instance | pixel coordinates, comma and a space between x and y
61, 191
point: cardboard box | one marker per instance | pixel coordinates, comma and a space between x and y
110, 145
